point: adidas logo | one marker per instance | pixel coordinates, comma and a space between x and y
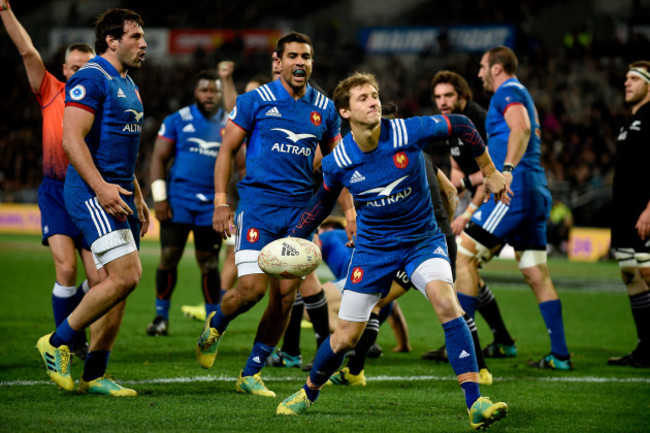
202, 197
463, 354
357, 177
120, 93
288, 250
274, 112
440, 252
189, 128
477, 215
257, 359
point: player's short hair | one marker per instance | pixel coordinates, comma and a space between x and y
111, 23
505, 57
78, 46
342, 91
457, 82
262, 79
206, 74
333, 222
293, 37
640, 64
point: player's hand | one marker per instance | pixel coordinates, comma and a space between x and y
144, 216
163, 210
225, 69
458, 225
643, 224
108, 195
223, 221
351, 231
498, 184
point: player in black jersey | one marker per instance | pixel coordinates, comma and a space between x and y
631, 221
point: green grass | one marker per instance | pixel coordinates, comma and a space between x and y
175, 394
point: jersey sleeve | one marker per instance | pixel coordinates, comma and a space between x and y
243, 115
333, 133
430, 128
506, 97
85, 89
50, 88
169, 127
331, 176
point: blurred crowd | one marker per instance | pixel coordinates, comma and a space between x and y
578, 90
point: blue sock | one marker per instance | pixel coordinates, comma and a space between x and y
312, 394
219, 320
96, 364
326, 363
82, 289
63, 302
468, 303
552, 314
162, 308
64, 334
471, 392
461, 354
257, 359
209, 308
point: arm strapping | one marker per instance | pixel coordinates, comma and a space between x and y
464, 129
318, 208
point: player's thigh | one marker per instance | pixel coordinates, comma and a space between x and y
207, 244
476, 245
257, 226
55, 219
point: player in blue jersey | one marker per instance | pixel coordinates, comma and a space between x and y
382, 164
451, 94
183, 199
514, 135
101, 135
284, 122
58, 230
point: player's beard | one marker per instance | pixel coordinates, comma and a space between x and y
207, 113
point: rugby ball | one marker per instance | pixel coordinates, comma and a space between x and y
289, 258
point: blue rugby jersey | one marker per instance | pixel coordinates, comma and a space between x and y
114, 138
282, 137
509, 93
389, 183
335, 254
198, 140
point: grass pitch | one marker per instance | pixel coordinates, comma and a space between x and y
404, 392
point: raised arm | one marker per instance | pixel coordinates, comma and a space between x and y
23, 42
225, 70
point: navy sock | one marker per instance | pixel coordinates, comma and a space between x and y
219, 320
462, 356
63, 302
326, 363
468, 303
471, 392
64, 334
552, 315
95, 365
162, 308
291, 340
312, 394
209, 308
257, 359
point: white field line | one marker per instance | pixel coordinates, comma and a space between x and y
586, 379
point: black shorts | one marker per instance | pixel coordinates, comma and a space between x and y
175, 235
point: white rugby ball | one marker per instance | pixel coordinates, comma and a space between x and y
289, 258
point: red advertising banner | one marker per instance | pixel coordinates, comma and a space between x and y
186, 41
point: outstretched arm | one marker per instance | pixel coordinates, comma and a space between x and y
23, 42
318, 208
